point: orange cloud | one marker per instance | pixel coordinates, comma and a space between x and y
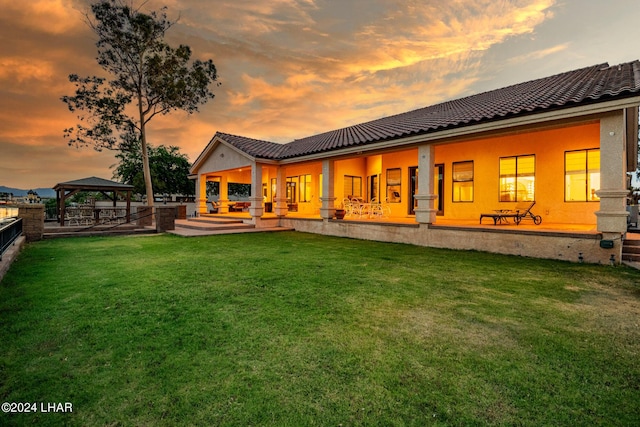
49, 16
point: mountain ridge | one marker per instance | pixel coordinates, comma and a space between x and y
18, 192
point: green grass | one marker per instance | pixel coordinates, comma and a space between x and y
291, 329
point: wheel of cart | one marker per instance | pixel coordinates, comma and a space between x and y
537, 219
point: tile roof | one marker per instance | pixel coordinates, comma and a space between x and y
253, 147
589, 85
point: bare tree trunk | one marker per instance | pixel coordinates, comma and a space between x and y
145, 154
145, 166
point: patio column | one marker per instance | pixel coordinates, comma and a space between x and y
201, 185
612, 216
425, 212
328, 194
224, 195
281, 192
256, 210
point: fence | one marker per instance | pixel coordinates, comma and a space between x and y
9, 232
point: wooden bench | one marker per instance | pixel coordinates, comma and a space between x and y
520, 212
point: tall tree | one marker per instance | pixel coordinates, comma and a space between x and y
169, 170
147, 78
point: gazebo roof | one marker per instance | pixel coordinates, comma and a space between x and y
93, 183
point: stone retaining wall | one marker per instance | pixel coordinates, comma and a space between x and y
566, 246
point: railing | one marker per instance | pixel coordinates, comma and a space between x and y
103, 226
9, 232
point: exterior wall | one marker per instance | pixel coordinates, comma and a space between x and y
311, 207
548, 147
559, 245
224, 158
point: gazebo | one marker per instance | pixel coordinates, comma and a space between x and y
110, 189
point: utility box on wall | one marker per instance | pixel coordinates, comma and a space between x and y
606, 244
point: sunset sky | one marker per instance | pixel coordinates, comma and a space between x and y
294, 68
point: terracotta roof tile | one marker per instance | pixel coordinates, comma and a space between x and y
593, 84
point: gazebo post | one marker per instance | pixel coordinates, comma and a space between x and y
61, 205
128, 206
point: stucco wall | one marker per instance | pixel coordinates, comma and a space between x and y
224, 158
548, 147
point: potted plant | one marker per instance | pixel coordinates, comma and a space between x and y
340, 212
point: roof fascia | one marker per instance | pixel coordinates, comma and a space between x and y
481, 128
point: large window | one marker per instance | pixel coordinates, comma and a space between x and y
352, 186
581, 175
292, 189
305, 188
394, 185
517, 178
298, 188
462, 181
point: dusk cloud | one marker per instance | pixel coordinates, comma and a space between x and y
289, 68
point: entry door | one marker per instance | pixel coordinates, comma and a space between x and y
374, 191
438, 187
413, 189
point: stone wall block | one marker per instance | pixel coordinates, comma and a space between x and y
165, 218
32, 221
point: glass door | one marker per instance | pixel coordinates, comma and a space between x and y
438, 187
413, 189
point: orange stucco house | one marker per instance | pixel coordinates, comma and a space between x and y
566, 142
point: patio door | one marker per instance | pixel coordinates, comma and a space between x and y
413, 189
438, 187
373, 188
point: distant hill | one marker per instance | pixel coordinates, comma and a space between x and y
17, 192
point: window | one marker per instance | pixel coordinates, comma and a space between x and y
463, 181
274, 189
517, 178
581, 175
394, 185
292, 184
305, 188
352, 186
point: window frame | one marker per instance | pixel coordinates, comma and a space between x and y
353, 179
455, 181
516, 176
587, 176
393, 185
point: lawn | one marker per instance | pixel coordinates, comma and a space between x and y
292, 329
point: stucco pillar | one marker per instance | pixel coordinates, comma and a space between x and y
426, 211
201, 185
281, 192
327, 210
257, 208
224, 195
612, 216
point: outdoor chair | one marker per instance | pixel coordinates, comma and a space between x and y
347, 206
520, 212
